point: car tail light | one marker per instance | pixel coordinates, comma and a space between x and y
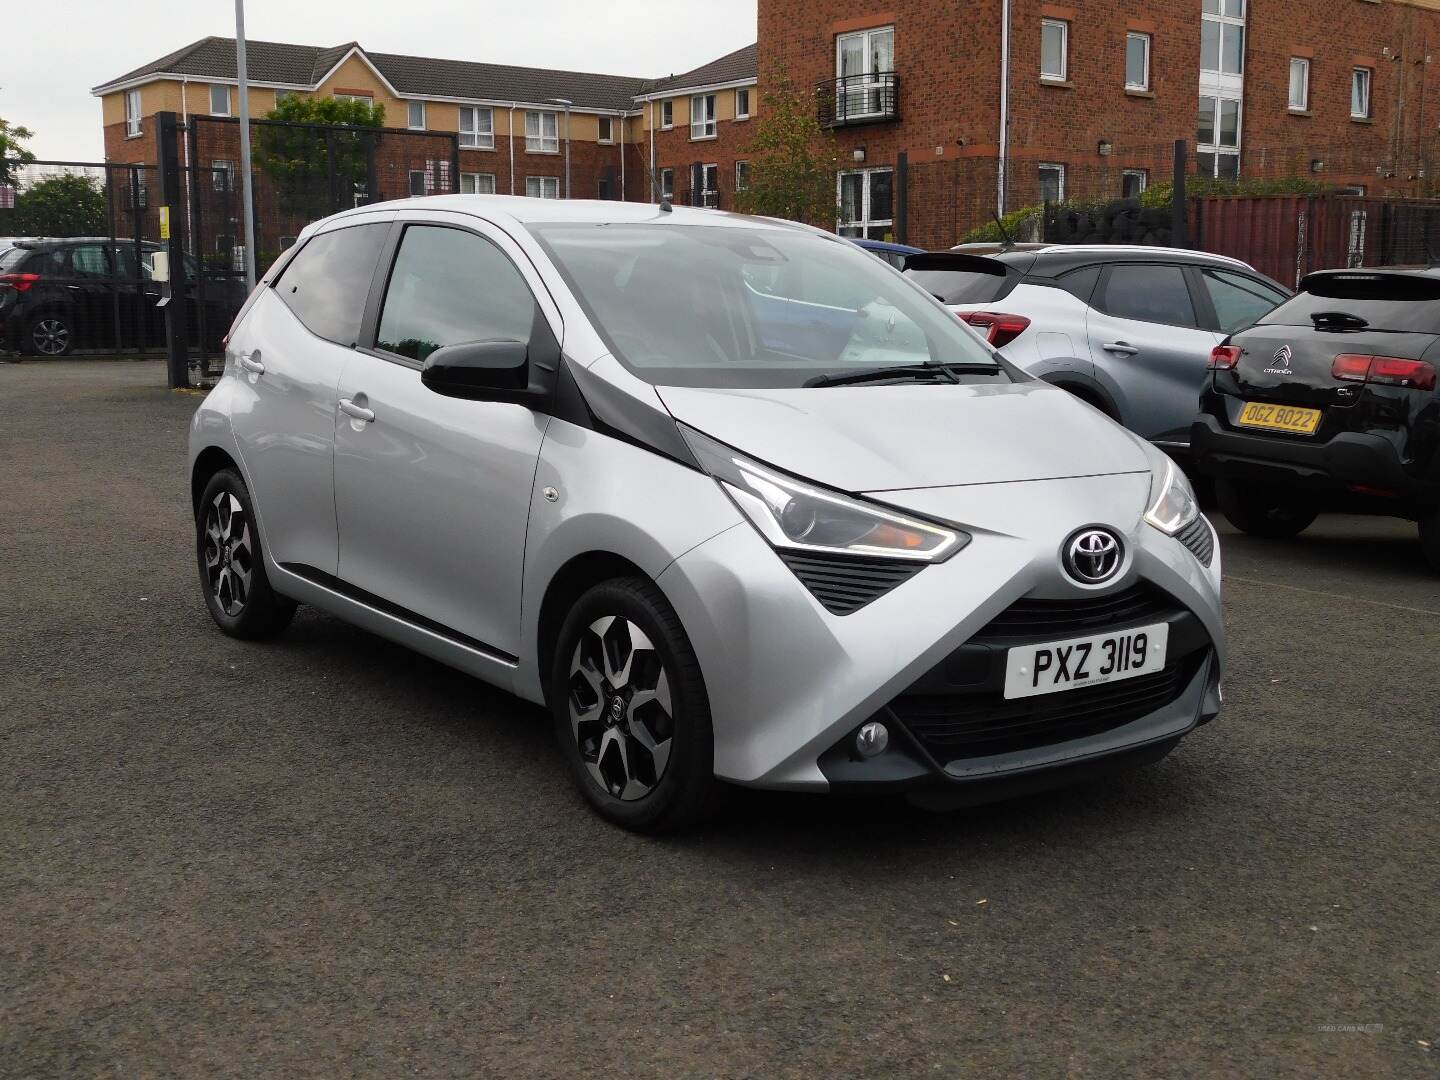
19, 282
1224, 357
999, 329
1385, 370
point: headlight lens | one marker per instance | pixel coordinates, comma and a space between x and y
1172, 500
797, 516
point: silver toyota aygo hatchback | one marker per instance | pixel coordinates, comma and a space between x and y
731, 498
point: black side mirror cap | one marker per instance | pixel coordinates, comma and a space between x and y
479, 370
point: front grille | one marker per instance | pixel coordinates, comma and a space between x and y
1054, 620
1199, 539
952, 727
846, 583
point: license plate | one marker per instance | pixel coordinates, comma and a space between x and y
1089, 661
1280, 418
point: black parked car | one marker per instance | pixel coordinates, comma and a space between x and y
1329, 402
57, 295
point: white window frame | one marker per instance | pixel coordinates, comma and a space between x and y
222, 175
602, 122
410, 107
1225, 25
1303, 64
742, 183
542, 142
134, 121
542, 184
1064, 28
1132, 35
667, 114
704, 127
1215, 147
475, 181
742, 114
868, 97
223, 87
1368, 83
368, 99
709, 174
667, 183
481, 132
1143, 175
1059, 168
864, 223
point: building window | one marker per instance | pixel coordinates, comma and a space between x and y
1054, 49
1133, 183
542, 132
1217, 138
222, 175
365, 98
219, 99
742, 176
742, 104
132, 112
542, 187
705, 186
477, 183
477, 127
1222, 37
283, 95
864, 67
607, 129
418, 178
1052, 182
416, 115
867, 204
1137, 61
667, 183
702, 116
667, 115
1299, 84
1360, 93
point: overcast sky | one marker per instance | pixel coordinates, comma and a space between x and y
55, 50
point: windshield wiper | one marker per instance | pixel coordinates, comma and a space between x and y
926, 372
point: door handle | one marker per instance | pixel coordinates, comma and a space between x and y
250, 363
1123, 348
359, 412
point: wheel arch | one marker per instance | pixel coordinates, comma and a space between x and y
1087, 390
208, 462
566, 586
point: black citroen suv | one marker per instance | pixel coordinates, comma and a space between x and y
1329, 402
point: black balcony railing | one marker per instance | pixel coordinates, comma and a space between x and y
859, 99
699, 197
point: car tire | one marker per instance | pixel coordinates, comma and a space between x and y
48, 334
1264, 511
232, 564
630, 709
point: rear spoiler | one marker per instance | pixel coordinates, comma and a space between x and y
953, 260
1382, 283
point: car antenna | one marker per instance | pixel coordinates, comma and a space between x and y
1006, 243
666, 207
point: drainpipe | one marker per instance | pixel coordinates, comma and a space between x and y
512, 146
1003, 160
623, 136
651, 104
185, 142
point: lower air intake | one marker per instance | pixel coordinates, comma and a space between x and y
1198, 537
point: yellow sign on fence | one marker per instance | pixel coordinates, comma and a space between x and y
164, 223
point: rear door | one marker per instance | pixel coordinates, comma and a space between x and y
1148, 347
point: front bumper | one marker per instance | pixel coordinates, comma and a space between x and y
789, 682
1348, 460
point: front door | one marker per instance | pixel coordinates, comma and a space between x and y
432, 493
1149, 352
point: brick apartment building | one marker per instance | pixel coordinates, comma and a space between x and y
1085, 99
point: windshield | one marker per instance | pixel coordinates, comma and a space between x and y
718, 306
1403, 302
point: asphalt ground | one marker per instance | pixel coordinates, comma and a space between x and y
327, 856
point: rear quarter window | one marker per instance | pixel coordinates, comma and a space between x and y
328, 280
1409, 303
10, 258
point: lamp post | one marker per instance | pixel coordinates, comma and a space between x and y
246, 184
565, 103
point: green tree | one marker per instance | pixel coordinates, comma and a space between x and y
71, 205
793, 161
299, 159
12, 149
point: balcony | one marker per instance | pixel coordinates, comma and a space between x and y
859, 99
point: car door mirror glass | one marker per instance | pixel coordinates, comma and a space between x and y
481, 370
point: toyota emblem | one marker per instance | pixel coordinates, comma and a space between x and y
1092, 556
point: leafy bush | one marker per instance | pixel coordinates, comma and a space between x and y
70, 205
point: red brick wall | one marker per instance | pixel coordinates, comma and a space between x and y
674, 149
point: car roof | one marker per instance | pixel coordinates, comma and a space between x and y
1057, 258
886, 245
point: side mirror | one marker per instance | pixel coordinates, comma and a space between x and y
480, 370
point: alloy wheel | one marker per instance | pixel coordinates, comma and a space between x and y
620, 707
51, 337
229, 553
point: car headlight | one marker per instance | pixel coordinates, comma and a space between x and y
797, 516
1172, 500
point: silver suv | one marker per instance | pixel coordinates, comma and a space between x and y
730, 497
1128, 329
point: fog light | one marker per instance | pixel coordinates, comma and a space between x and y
871, 739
